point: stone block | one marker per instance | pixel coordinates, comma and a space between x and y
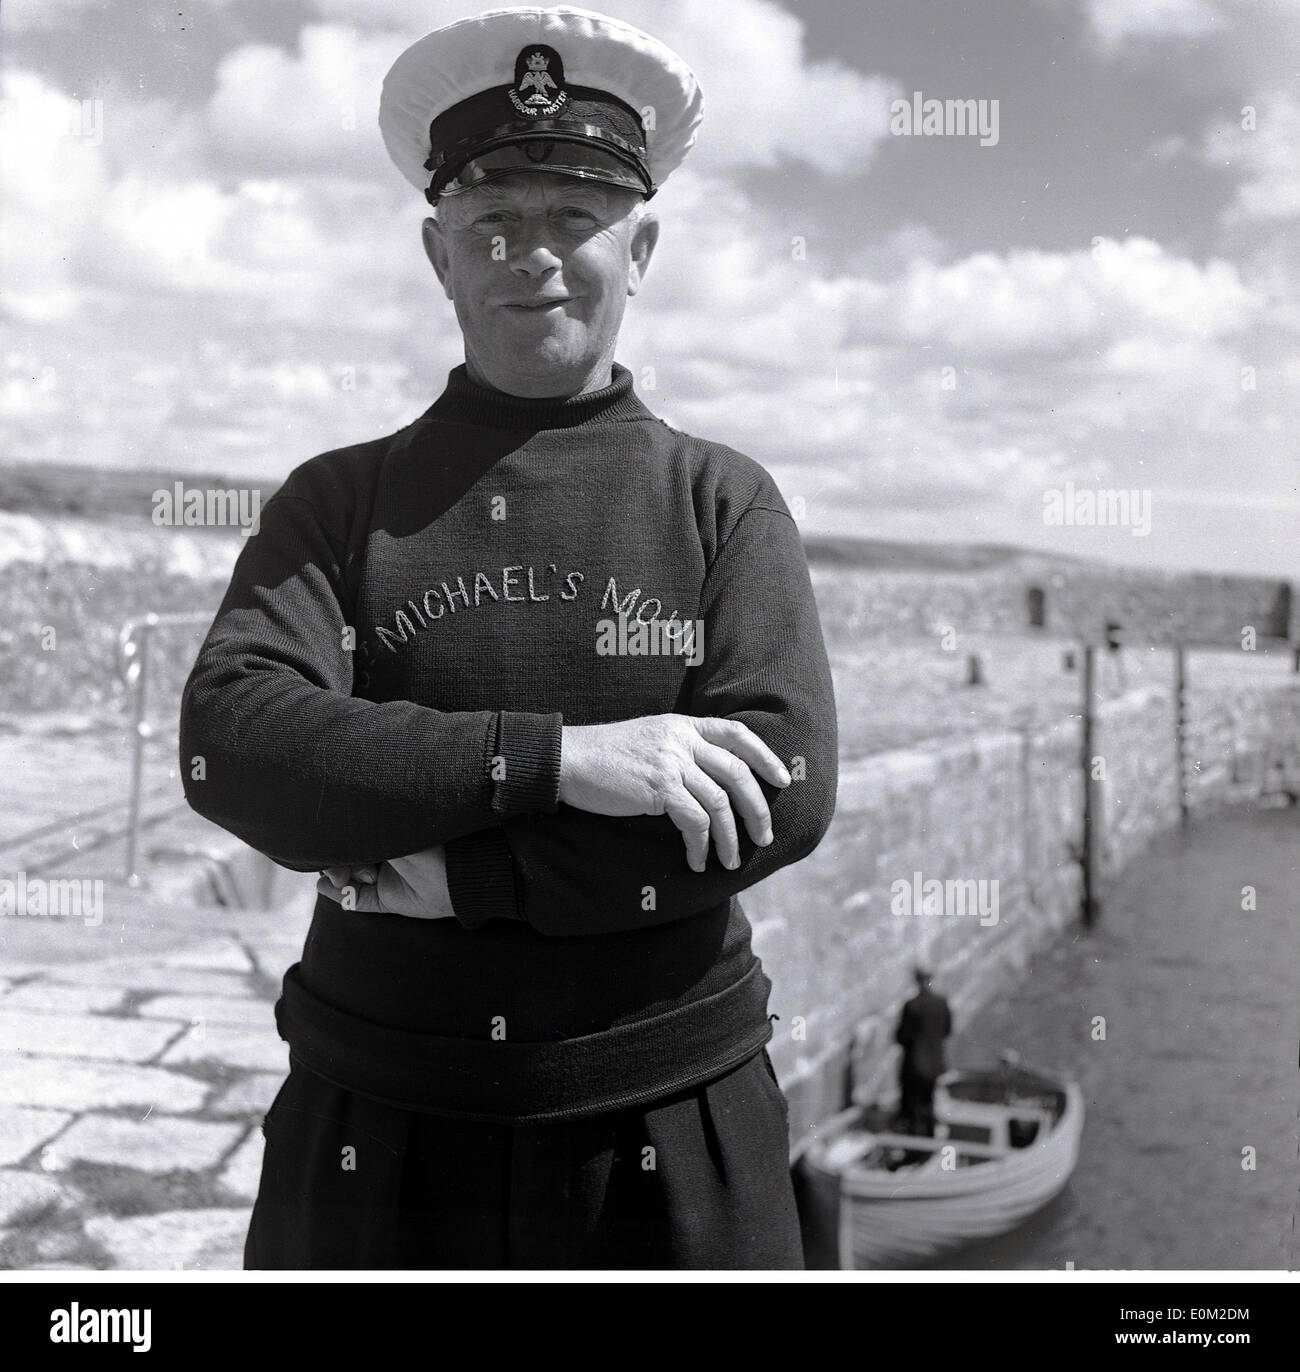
202, 1240
58, 1083
82, 1036
23, 1128
248, 1011
255, 1049
251, 1095
26, 1194
241, 1175
218, 955
161, 1143
152, 975
52, 998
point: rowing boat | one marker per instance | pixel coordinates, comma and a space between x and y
1006, 1142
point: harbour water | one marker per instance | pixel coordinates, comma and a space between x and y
1190, 1157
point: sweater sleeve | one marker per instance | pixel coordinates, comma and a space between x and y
275, 748
573, 873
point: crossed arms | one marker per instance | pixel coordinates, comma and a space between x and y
582, 819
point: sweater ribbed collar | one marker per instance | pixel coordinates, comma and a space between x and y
466, 402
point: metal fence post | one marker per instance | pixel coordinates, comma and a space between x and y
1091, 796
136, 650
136, 641
1180, 730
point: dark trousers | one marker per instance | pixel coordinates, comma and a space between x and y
698, 1180
916, 1106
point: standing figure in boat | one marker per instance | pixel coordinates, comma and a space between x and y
925, 1022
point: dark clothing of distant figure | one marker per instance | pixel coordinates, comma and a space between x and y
922, 1027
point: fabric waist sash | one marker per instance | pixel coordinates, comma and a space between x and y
526, 1083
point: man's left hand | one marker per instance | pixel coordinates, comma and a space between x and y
415, 886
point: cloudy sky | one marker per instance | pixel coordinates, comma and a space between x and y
211, 266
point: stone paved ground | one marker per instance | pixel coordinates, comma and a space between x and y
131, 1095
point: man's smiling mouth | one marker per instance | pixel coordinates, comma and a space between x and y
549, 303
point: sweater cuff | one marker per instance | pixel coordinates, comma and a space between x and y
528, 747
481, 878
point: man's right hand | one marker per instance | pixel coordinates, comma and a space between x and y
694, 770
414, 885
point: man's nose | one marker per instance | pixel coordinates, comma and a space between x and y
531, 248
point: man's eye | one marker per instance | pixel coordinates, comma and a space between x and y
572, 213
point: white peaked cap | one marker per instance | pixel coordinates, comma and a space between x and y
483, 57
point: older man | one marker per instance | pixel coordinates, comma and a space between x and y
538, 683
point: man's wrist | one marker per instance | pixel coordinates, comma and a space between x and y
526, 763
481, 882
570, 752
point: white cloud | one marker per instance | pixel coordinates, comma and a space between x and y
1061, 363
763, 99
1052, 302
413, 17
166, 234
52, 172
25, 16
1266, 158
1115, 21
318, 254
312, 111
1254, 39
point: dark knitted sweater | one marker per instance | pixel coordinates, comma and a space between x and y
474, 554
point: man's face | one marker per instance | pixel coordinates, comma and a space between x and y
539, 268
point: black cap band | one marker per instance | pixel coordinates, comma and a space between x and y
496, 118
561, 147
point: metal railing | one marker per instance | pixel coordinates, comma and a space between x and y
135, 644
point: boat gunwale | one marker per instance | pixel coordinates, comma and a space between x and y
869, 1183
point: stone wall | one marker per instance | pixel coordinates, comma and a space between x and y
839, 938
1079, 599
1242, 744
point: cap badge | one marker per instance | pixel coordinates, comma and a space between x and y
538, 91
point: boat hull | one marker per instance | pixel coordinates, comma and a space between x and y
884, 1219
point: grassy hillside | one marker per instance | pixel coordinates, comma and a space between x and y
94, 492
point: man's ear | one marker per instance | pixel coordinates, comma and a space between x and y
434, 238
644, 238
